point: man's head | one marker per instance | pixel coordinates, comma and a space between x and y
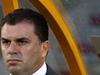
24, 40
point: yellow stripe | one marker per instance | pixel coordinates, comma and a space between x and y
74, 59
49, 5
9, 5
15, 4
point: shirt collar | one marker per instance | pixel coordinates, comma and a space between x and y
41, 71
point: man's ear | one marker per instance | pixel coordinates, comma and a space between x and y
44, 48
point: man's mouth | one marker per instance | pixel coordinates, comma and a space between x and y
13, 61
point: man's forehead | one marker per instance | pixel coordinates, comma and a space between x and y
18, 26
19, 30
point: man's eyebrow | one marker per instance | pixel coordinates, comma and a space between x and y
23, 38
2, 38
17, 39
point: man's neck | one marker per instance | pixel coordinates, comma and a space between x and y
42, 70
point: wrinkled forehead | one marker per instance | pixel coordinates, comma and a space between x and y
20, 29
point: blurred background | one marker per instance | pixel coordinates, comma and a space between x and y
83, 18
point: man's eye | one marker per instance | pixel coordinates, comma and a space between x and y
5, 42
22, 42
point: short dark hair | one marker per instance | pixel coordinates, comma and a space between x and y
19, 15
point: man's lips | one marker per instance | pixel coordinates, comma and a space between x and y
14, 60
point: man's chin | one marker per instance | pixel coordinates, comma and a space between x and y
13, 66
13, 69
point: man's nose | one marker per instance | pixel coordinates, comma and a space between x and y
13, 48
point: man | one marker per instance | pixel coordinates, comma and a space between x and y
24, 43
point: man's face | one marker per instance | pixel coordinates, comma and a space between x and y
21, 47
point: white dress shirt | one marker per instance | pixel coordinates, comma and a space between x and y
41, 71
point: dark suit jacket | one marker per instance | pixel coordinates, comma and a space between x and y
50, 71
